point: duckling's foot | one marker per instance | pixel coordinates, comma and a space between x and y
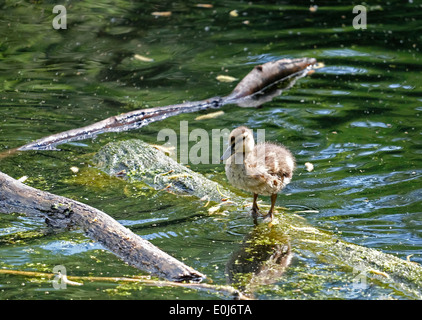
268, 218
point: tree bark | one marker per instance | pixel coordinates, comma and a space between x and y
268, 73
60, 212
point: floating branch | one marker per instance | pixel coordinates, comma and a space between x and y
253, 83
225, 291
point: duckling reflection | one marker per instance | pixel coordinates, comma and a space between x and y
265, 168
263, 258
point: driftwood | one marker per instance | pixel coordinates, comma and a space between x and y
258, 79
60, 212
264, 75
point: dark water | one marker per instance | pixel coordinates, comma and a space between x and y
358, 120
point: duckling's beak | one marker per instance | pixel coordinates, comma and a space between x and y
229, 151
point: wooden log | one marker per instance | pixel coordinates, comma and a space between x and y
143, 162
268, 73
123, 122
259, 78
60, 212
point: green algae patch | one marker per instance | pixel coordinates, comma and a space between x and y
138, 161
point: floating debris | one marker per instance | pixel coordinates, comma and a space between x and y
23, 179
168, 150
210, 115
408, 259
205, 198
309, 166
313, 8
161, 13
222, 78
143, 58
214, 209
204, 5
306, 211
380, 273
74, 169
234, 13
318, 65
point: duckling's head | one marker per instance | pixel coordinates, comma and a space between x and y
240, 141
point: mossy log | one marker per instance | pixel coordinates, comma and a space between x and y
60, 213
137, 160
290, 233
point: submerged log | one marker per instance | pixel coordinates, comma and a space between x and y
258, 79
60, 212
269, 251
138, 160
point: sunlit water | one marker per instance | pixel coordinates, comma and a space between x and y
358, 120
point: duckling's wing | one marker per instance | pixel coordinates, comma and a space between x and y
278, 160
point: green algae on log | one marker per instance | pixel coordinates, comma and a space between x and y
140, 161
291, 232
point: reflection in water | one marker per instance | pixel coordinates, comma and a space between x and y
263, 258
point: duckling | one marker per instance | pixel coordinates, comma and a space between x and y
264, 168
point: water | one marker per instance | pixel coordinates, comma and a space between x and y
357, 120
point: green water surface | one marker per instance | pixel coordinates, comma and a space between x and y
358, 120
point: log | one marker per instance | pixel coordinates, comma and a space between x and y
269, 248
257, 80
137, 160
60, 213
267, 74
123, 122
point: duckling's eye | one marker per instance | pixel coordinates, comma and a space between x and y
244, 137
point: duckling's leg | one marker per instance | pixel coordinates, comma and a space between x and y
269, 217
255, 209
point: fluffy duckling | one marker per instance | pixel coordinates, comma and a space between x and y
264, 169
